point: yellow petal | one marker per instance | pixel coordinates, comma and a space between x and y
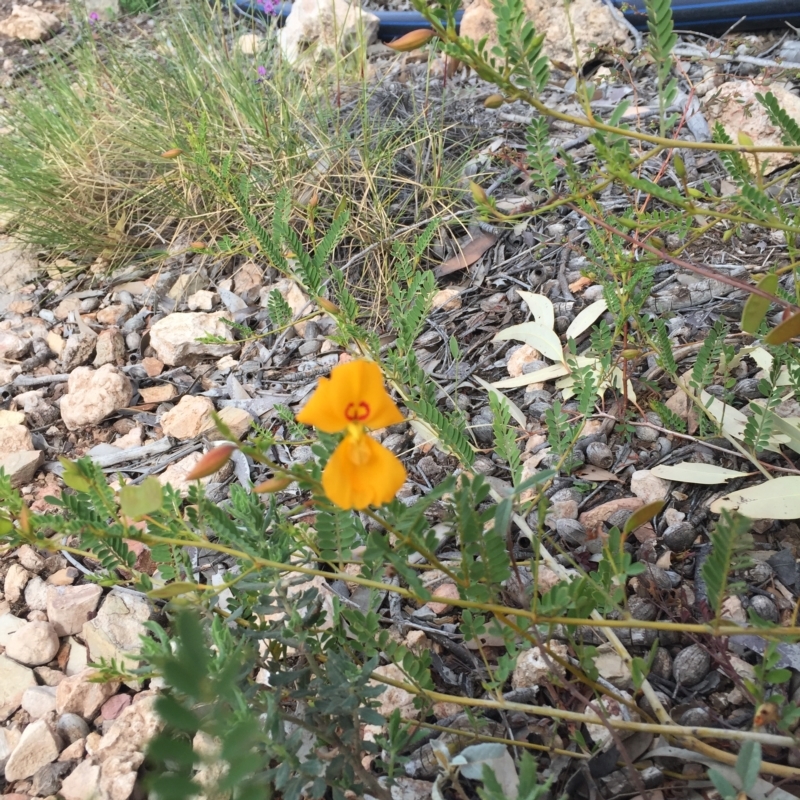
354, 393
361, 472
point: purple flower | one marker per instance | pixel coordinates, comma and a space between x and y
268, 6
262, 71
93, 17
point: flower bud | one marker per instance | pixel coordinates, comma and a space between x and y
478, 194
413, 40
174, 153
680, 167
213, 461
272, 485
331, 308
494, 101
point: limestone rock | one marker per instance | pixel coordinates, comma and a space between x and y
592, 22
77, 694
78, 658
9, 624
735, 107
34, 644
202, 300
237, 419
93, 395
649, 487
37, 746
36, 594
78, 350
72, 727
12, 346
174, 338
22, 466
392, 697
117, 628
157, 394
15, 439
110, 772
251, 44
175, 474
17, 578
325, 28
612, 667
30, 559
248, 280
110, 347
11, 418
18, 265
533, 667
189, 418
447, 299
14, 680
39, 701
29, 24
70, 607
114, 315
82, 783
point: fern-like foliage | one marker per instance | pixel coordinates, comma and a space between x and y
760, 426
729, 541
780, 119
484, 557
409, 308
735, 163
662, 40
280, 312
665, 357
708, 357
450, 433
268, 244
520, 46
505, 440
670, 419
541, 162
337, 534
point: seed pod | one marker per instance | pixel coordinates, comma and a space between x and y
174, 153
412, 40
478, 194
679, 537
331, 308
619, 518
213, 461
764, 607
600, 455
494, 101
662, 664
644, 704
656, 577
759, 573
571, 532
747, 388
642, 609
272, 485
695, 718
691, 665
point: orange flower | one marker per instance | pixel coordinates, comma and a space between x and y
360, 472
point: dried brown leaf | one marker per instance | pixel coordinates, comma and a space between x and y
469, 254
